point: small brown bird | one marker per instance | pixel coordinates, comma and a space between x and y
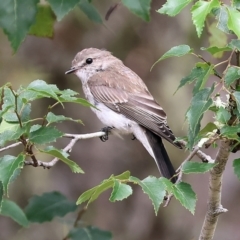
124, 103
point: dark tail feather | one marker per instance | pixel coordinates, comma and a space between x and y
164, 164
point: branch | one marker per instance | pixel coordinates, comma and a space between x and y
215, 189
74, 139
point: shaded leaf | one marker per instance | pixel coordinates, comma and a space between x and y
139, 7
8, 167
52, 118
222, 17
236, 167
89, 233
63, 7
214, 49
200, 10
47, 206
186, 196
210, 127
63, 156
14, 20
230, 131
120, 191
173, 7
234, 44
223, 115
197, 167
12, 210
237, 98
232, 74
43, 27
200, 103
90, 11
43, 134
154, 188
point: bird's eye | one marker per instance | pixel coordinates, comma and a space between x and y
89, 60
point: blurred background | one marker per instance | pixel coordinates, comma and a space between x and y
138, 44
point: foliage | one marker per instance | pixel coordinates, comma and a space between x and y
37, 135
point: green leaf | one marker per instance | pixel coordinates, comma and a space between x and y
47, 206
232, 74
139, 7
52, 118
186, 196
16, 19
197, 167
210, 127
237, 98
44, 89
12, 210
223, 115
234, 20
9, 165
236, 167
90, 11
173, 7
42, 134
154, 188
214, 49
200, 10
177, 51
1, 194
89, 233
63, 7
93, 193
120, 191
63, 156
231, 131
200, 103
236, 3
234, 44
43, 27
222, 17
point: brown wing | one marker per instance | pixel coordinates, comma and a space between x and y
131, 100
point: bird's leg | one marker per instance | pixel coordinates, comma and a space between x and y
106, 130
133, 137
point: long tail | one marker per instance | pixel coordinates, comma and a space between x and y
161, 157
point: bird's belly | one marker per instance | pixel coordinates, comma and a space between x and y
119, 122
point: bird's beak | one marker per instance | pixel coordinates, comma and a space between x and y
73, 69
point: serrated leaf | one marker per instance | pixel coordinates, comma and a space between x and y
231, 131
236, 167
232, 74
47, 90
234, 44
197, 167
186, 196
14, 20
177, 51
234, 20
12, 210
90, 11
237, 98
52, 118
173, 7
154, 188
43, 26
222, 17
120, 191
200, 10
63, 156
223, 115
89, 233
93, 193
200, 103
47, 206
8, 167
44, 134
139, 7
63, 7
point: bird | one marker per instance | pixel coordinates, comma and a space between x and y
124, 104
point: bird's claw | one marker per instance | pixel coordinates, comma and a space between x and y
106, 130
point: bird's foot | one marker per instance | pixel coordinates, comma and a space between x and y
106, 130
133, 137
